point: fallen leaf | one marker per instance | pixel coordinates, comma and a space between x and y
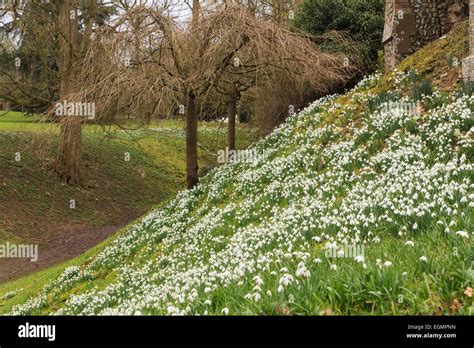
326, 312
455, 305
468, 292
282, 310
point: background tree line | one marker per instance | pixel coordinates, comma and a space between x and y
138, 60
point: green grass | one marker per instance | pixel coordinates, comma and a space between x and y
8, 237
264, 219
35, 202
33, 283
134, 168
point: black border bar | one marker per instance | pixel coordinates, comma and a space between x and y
337, 330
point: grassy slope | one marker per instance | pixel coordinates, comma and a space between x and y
34, 203
156, 171
323, 178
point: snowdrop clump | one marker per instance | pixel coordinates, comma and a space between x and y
262, 226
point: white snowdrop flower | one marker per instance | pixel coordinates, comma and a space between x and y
452, 223
404, 274
257, 288
248, 296
207, 290
269, 293
206, 312
359, 258
317, 260
258, 280
284, 269
225, 311
376, 239
286, 279
463, 234
333, 267
172, 310
387, 263
207, 302
409, 242
303, 272
257, 297
329, 245
407, 185
364, 265
378, 262
415, 226
423, 259
273, 273
340, 253
137, 312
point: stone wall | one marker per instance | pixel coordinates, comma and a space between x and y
468, 63
411, 24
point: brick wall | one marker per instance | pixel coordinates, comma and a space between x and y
468, 63
471, 26
411, 24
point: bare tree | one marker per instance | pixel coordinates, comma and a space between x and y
227, 49
48, 43
69, 154
271, 54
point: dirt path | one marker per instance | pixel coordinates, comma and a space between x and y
72, 241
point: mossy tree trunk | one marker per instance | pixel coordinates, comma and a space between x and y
191, 141
68, 161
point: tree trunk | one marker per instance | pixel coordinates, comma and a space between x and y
279, 11
231, 111
191, 141
69, 155
67, 42
196, 12
251, 7
68, 161
192, 167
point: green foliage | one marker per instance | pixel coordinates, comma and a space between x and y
382, 98
424, 88
436, 100
412, 77
362, 19
467, 88
451, 61
32, 53
381, 61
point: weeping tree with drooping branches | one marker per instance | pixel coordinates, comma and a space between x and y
147, 64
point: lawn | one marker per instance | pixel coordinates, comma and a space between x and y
128, 171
